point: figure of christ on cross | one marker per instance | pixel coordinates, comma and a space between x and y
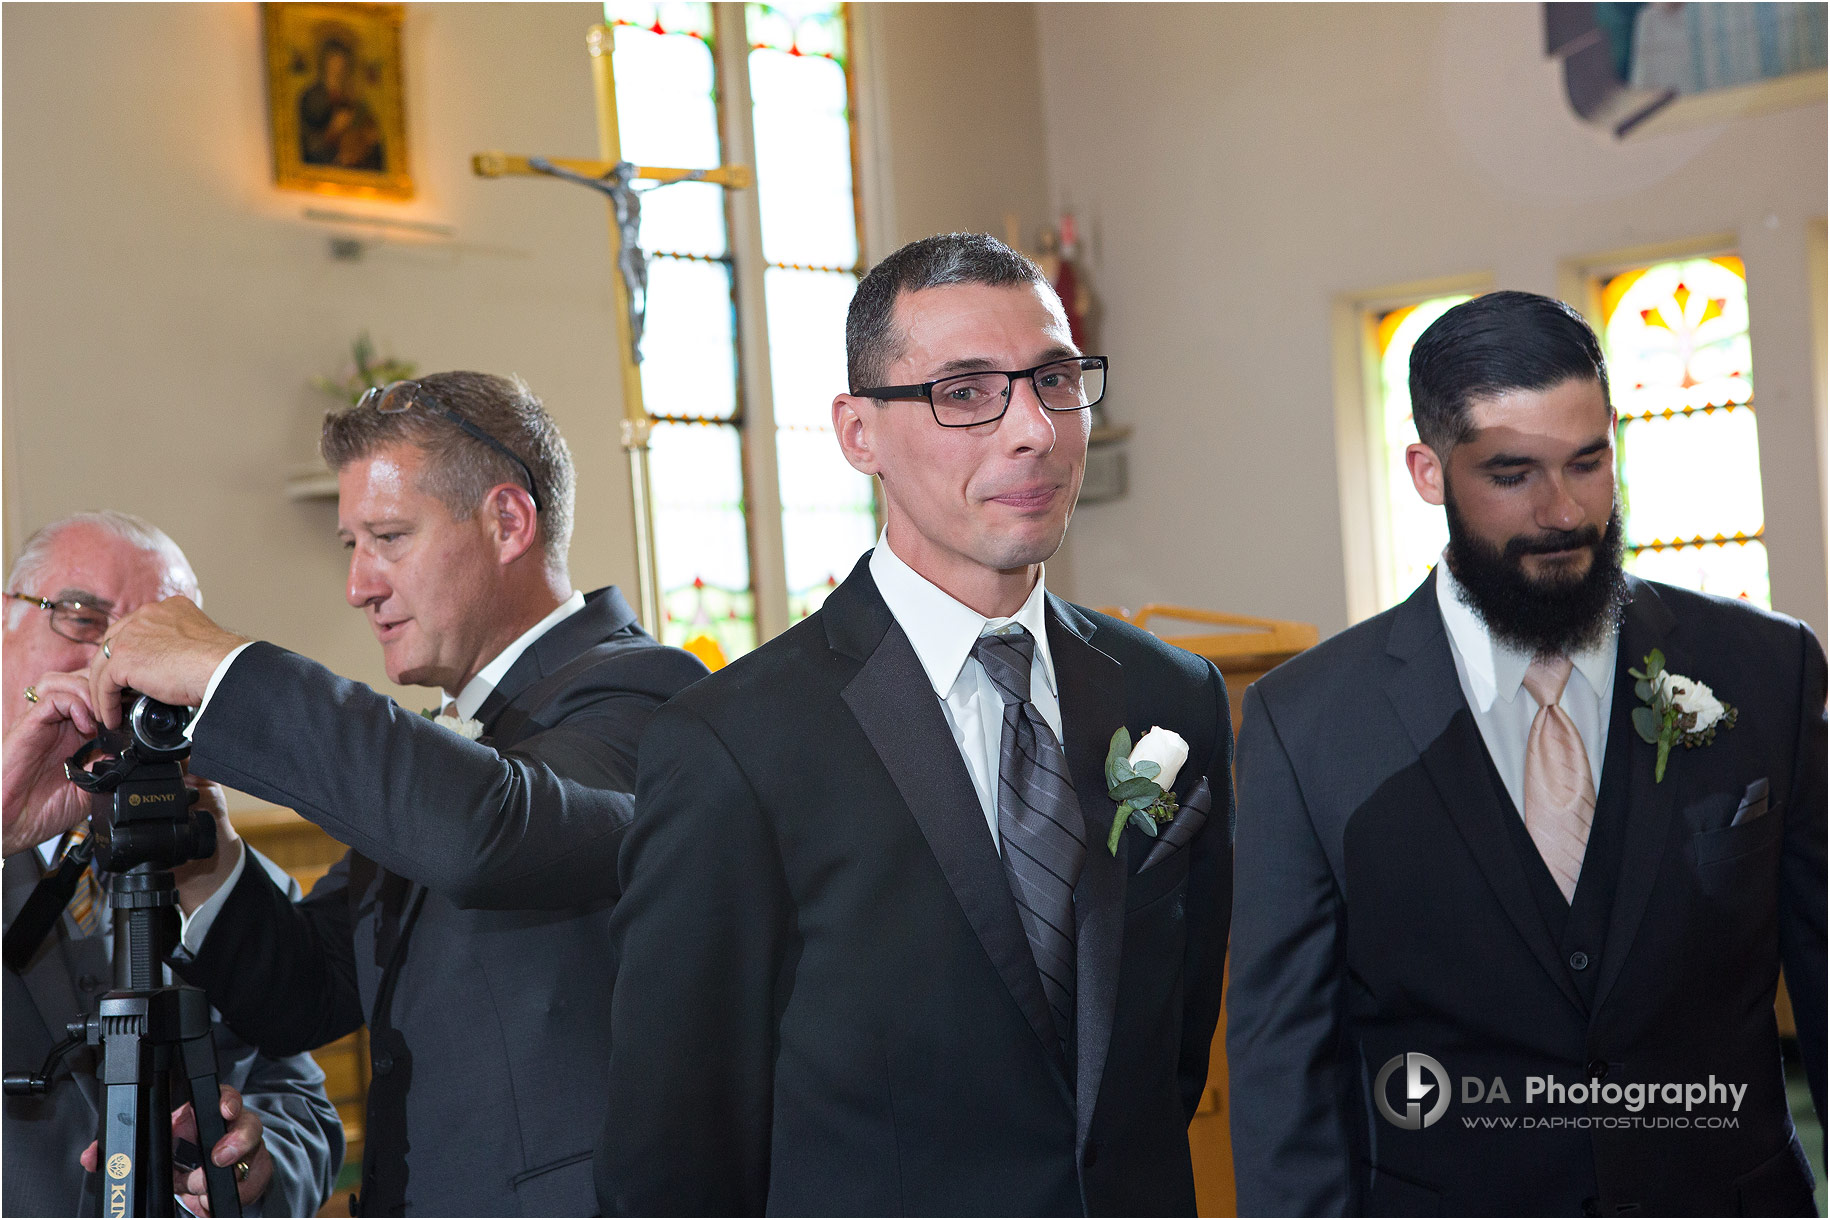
616, 179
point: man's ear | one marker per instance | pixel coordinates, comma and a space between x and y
513, 523
854, 420
1428, 475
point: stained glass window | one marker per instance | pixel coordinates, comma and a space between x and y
801, 94
1680, 365
667, 114
1417, 531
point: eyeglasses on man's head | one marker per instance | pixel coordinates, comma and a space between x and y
399, 396
967, 400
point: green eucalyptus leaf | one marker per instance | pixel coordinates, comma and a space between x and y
1645, 723
1664, 754
1148, 769
1655, 663
1144, 822
1136, 788
1643, 690
1118, 768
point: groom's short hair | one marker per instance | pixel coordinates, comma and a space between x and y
871, 339
460, 469
1495, 343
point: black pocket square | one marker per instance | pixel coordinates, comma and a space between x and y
1754, 803
1184, 826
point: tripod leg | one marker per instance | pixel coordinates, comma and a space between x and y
123, 1166
206, 1100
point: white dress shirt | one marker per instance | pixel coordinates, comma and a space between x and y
196, 925
943, 632
1492, 677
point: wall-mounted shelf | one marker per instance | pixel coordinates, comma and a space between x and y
311, 482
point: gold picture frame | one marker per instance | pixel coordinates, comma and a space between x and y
334, 99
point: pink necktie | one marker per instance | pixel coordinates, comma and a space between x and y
1559, 788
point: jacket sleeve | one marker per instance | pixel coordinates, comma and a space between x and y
703, 935
537, 826
1290, 1077
1802, 944
281, 973
1209, 905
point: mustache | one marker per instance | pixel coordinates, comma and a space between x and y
1552, 541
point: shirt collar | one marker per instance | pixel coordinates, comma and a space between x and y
942, 629
479, 688
1496, 670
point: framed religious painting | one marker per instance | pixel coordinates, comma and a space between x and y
335, 101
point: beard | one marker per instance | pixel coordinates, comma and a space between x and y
1549, 615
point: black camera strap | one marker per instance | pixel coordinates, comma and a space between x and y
48, 900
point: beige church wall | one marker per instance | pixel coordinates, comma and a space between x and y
954, 98
1240, 167
165, 306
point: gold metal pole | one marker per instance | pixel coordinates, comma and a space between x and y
636, 423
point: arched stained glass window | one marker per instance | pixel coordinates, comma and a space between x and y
671, 111
1417, 530
1680, 366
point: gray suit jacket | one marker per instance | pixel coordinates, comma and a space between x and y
44, 1135
468, 925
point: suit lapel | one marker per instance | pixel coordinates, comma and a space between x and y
605, 613
1092, 691
895, 706
1647, 626
1426, 694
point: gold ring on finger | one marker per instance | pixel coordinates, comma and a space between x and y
242, 1170
31, 694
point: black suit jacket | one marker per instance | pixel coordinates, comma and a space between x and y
1389, 904
44, 1135
487, 1027
826, 1003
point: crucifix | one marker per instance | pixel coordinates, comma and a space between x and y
615, 178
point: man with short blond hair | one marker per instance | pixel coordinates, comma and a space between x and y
468, 927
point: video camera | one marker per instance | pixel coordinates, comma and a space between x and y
140, 807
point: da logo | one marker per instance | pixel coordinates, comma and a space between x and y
1416, 1088
119, 1165
133, 798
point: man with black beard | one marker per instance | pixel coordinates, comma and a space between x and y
1493, 950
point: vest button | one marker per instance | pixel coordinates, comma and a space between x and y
1578, 960
1591, 1207
1598, 1069
383, 1064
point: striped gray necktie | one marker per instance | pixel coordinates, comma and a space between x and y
1039, 822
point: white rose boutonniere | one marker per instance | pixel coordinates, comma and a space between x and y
1678, 710
466, 728
1142, 780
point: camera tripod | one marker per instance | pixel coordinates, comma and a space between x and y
151, 1036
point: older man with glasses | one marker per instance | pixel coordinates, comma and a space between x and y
888, 945
73, 578
468, 927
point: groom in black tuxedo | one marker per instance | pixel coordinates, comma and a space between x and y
876, 954
1492, 956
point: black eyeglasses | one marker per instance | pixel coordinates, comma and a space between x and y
80, 622
971, 399
400, 396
